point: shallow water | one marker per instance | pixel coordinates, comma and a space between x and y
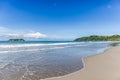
38, 60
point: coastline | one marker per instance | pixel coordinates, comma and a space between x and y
104, 66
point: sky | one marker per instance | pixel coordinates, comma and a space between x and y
58, 19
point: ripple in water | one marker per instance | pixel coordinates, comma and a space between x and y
54, 60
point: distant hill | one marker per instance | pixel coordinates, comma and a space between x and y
99, 38
18, 40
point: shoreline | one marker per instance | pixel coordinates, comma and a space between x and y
87, 63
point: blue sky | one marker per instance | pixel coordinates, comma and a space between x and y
58, 19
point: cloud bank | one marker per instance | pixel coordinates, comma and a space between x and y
35, 35
6, 33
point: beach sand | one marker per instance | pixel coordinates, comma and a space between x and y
104, 66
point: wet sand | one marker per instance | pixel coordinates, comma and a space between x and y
104, 66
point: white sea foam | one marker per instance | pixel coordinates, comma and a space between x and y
31, 45
31, 50
14, 51
19, 45
13, 48
3, 65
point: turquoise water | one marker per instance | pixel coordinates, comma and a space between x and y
34, 60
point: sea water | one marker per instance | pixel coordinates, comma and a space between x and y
34, 60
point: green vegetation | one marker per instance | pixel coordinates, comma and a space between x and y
99, 38
18, 40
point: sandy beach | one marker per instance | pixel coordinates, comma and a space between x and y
105, 66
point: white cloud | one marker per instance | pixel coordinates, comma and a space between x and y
6, 33
13, 35
35, 35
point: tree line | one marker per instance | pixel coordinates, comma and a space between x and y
99, 38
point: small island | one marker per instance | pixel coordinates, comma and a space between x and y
99, 38
16, 40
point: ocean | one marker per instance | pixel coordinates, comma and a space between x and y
35, 60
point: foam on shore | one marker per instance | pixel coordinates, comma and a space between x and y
104, 66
